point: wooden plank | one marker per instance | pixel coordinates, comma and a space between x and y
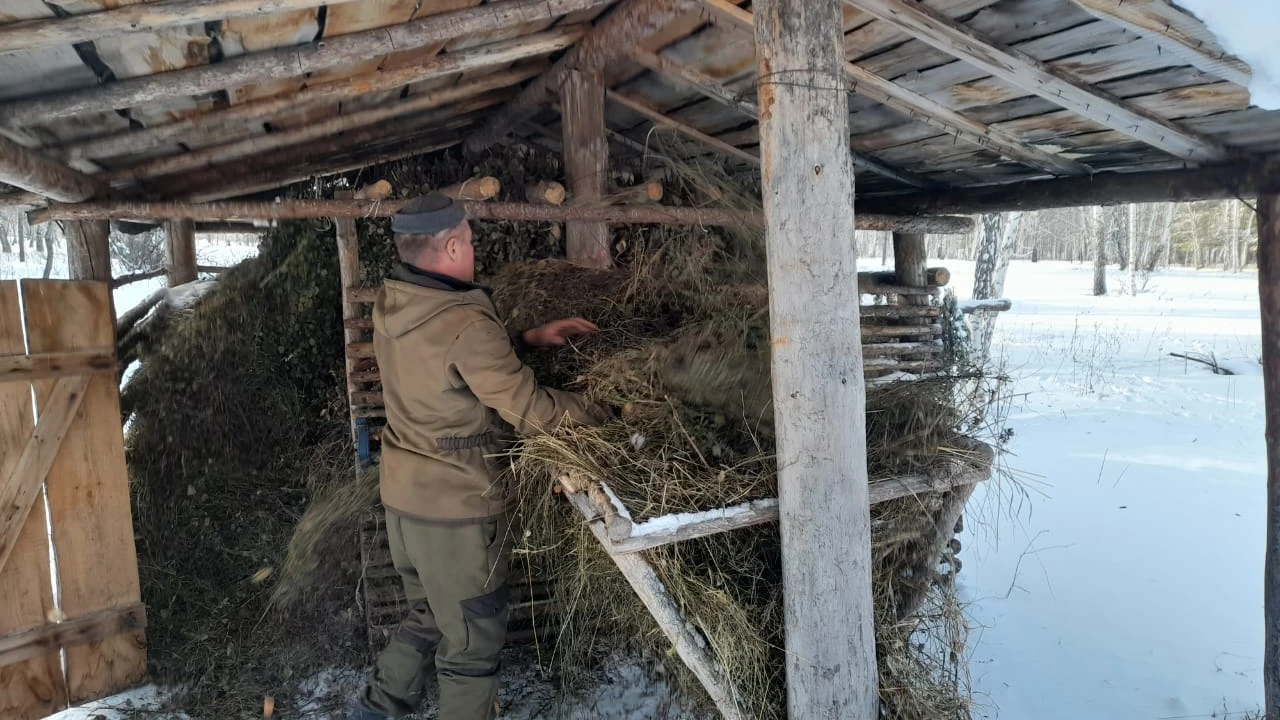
348, 240
134, 18
627, 24
288, 62
1024, 71
42, 641
1215, 182
322, 129
88, 491
818, 395
918, 107
712, 89
641, 108
691, 649
586, 165
28, 169
20, 487
33, 688
1183, 34
46, 365
616, 214
1269, 299
181, 248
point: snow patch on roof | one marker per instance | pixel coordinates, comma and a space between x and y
1246, 29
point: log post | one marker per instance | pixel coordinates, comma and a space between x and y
29, 170
818, 391
349, 275
88, 249
182, 251
1269, 297
586, 162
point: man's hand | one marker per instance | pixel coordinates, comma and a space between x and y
559, 332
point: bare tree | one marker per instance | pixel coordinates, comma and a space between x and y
998, 236
48, 253
1099, 253
22, 240
6, 247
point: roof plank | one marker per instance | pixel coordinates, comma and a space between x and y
1025, 71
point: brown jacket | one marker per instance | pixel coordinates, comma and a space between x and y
450, 375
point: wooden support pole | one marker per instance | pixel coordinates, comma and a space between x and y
292, 61
88, 249
1269, 298
818, 392
349, 273
182, 251
909, 265
626, 25
586, 164
622, 214
29, 170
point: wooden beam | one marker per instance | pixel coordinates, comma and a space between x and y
626, 25
691, 648
88, 249
27, 169
291, 61
91, 628
1053, 84
586, 165
1183, 34
187, 161
38, 366
181, 247
641, 108
926, 110
1216, 182
712, 89
621, 214
1269, 299
818, 394
143, 17
224, 120
227, 228
19, 490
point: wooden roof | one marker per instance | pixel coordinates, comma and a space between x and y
208, 99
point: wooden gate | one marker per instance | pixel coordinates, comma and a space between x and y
70, 616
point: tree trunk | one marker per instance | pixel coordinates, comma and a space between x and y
22, 239
6, 247
1099, 254
1133, 250
50, 245
1166, 232
1269, 297
1235, 235
995, 247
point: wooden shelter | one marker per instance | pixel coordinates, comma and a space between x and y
154, 111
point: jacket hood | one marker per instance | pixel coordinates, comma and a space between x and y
405, 305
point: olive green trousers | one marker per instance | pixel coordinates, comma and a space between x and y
455, 579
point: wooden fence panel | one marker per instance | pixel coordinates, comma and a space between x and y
34, 687
89, 490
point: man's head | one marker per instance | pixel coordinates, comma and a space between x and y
432, 234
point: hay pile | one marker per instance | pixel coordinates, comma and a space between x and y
688, 361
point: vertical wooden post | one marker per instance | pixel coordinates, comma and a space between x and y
1269, 297
182, 251
819, 398
88, 249
910, 261
349, 273
586, 163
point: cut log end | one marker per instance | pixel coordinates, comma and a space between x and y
546, 192
481, 188
380, 190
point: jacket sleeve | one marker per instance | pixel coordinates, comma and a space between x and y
485, 358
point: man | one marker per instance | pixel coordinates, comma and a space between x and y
454, 390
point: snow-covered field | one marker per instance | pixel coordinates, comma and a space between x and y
1126, 582
1120, 575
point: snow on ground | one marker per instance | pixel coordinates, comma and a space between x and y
1125, 580
1120, 576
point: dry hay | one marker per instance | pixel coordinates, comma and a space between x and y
238, 416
